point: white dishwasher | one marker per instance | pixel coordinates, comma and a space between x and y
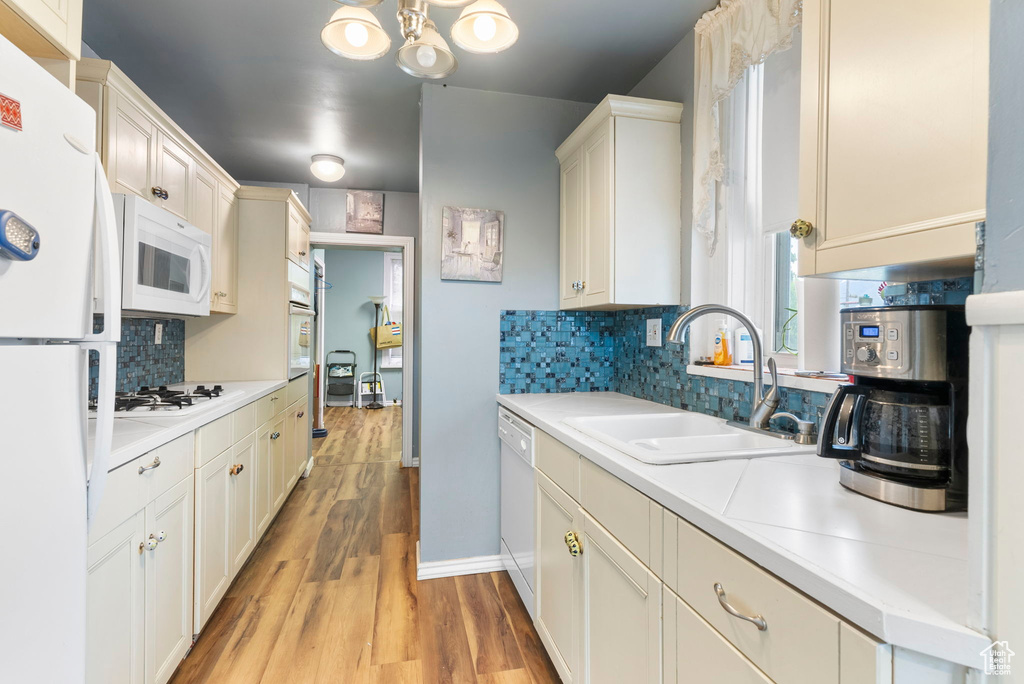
517, 502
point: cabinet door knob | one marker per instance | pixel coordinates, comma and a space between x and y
801, 229
160, 536
572, 541
300, 414
757, 620
275, 435
149, 545
160, 193
302, 253
237, 468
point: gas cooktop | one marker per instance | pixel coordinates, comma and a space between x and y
182, 400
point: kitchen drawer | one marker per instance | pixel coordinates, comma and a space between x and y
243, 422
127, 491
266, 408
695, 652
298, 389
212, 439
620, 509
801, 643
558, 462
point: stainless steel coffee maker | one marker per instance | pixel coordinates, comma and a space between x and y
900, 430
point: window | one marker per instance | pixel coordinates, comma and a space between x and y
393, 288
752, 264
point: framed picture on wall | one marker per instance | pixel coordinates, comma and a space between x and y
472, 244
364, 212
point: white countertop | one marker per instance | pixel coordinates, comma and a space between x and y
141, 433
900, 575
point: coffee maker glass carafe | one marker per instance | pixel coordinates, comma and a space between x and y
906, 433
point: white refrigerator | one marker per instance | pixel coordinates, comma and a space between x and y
55, 214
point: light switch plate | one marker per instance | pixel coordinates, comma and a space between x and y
653, 332
158, 338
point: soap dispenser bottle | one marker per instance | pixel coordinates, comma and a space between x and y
723, 355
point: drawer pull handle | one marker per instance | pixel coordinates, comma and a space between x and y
275, 435
154, 464
236, 469
757, 620
573, 542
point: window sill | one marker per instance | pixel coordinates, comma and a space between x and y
787, 378
387, 366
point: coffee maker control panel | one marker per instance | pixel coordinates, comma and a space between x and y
903, 343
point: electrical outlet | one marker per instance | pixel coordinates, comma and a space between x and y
653, 332
158, 338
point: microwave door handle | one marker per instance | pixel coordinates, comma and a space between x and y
204, 269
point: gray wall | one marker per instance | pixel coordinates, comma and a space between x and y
327, 208
493, 151
1004, 232
672, 79
348, 313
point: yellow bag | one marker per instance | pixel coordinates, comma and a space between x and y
387, 335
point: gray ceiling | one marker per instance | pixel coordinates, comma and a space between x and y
250, 81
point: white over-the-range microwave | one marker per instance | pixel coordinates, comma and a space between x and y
165, 261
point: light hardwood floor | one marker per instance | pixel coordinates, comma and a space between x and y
330, 594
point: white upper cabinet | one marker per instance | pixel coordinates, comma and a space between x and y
893, 136
619, 208
146, 154
43, 28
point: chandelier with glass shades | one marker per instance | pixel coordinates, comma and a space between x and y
484, 27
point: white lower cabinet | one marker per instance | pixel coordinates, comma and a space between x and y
558, 578
213, 555
696, 654
139, 593
241, 502
169, 581
627, 591
278, 462
115, 606
263, 491
621, 605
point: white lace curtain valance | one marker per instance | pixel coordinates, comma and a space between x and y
730, 38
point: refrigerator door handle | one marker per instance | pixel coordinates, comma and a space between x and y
105, 343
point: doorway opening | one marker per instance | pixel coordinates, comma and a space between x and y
364, 343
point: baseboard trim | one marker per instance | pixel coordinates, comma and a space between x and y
458, 566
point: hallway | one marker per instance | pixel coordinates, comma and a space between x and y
330, 594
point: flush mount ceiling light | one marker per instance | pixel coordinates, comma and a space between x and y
427, 57
355, 33
484, 27
327, 167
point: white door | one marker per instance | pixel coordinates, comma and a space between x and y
241, 498
116, 605
598, 159
213, 558
279, 460
571, 233
621, 602
169, 581
558, 578
263, 494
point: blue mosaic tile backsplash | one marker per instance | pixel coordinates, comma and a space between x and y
575, 351
139, 361
557, 351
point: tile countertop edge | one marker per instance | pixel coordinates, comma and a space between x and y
254, 390
936, 635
